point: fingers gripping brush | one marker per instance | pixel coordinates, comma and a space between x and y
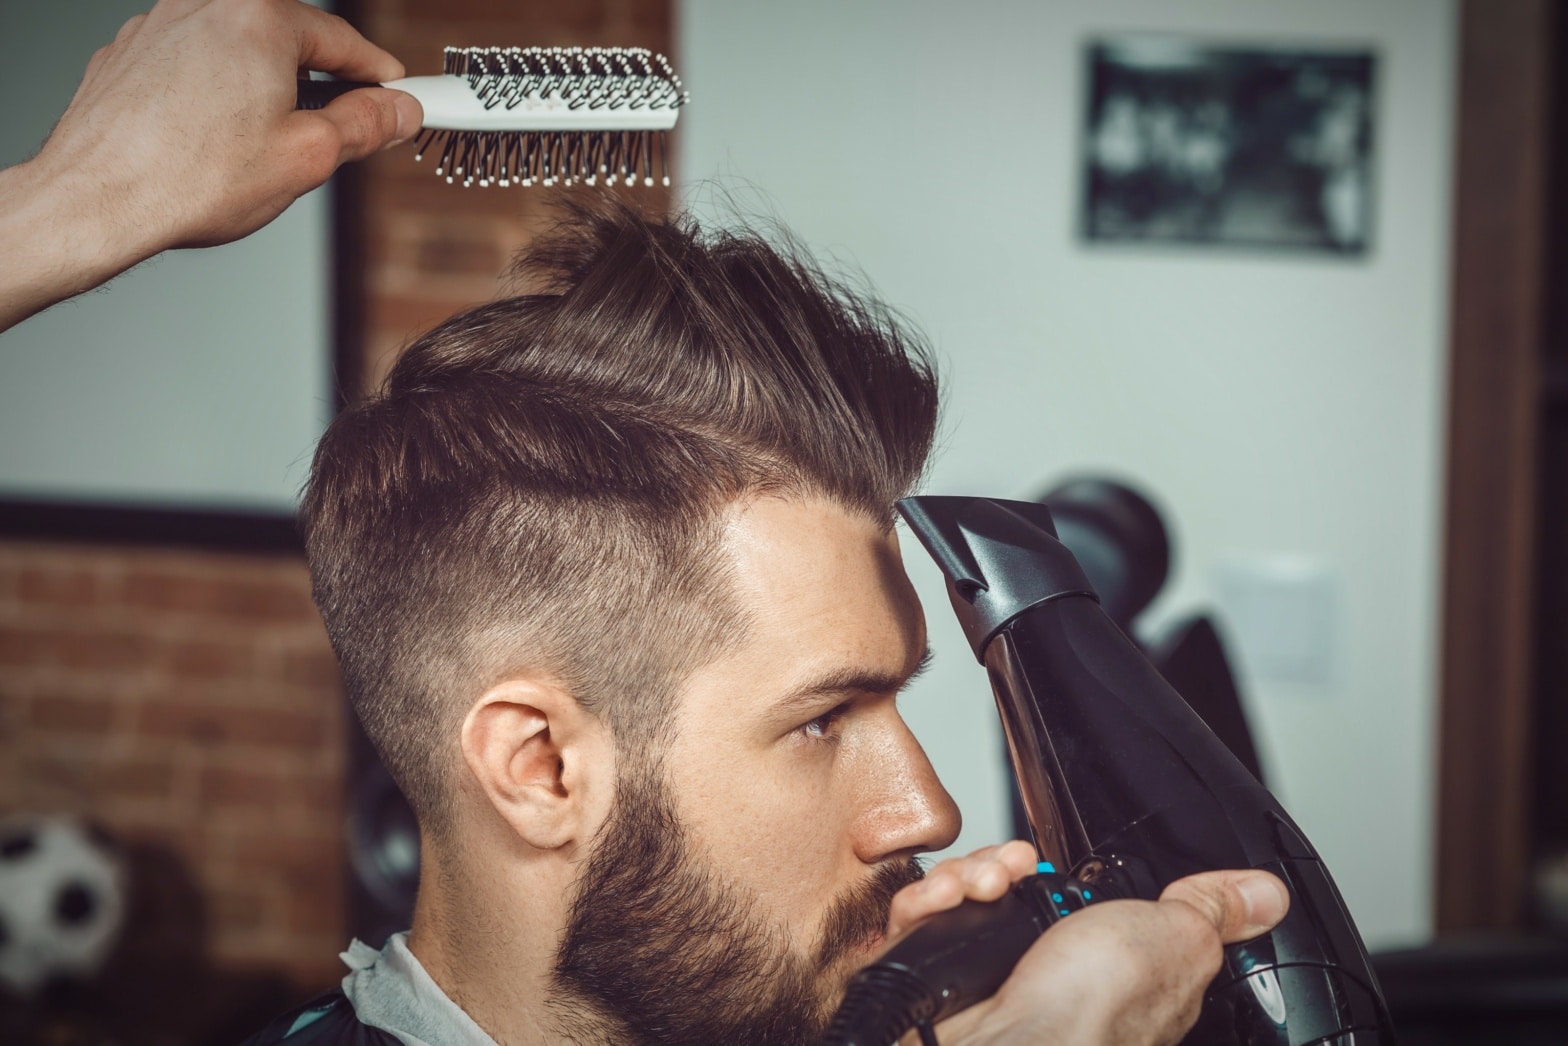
539, 115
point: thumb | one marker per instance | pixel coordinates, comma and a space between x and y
371, 119
1240, 904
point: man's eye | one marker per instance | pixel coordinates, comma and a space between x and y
821, 728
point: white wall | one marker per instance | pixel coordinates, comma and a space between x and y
1287, 409
200, 379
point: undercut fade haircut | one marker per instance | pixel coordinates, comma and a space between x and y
541, 484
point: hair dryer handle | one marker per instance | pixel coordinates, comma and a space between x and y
954, 960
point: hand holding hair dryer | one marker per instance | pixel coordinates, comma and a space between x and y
1126, 791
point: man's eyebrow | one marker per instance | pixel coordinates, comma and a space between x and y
852, 681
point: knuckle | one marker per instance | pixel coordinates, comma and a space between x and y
1018, 849
1201, 898
317, 150
367, 121
950, 866
248, 16
335, 24
385, 118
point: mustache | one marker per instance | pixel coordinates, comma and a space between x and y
861, 912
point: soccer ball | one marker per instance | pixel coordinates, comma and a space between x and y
62, 901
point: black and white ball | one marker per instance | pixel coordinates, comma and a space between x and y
62, 901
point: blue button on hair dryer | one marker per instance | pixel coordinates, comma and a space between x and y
1126, 791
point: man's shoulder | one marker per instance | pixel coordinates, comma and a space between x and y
328, 1018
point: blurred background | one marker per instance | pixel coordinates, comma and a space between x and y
1283, 269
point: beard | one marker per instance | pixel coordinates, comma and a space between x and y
660, 949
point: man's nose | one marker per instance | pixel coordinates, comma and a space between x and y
909, 812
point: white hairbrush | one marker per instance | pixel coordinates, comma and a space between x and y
539, 115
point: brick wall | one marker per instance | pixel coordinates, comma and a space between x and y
188, 701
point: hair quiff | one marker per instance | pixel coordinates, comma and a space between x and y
539, 485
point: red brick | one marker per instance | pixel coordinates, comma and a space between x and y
202, 725
411, 187
316, 906
62, 713
103, 650
429, 254
238, 909
317, 669
235, 697
305, 852
61, 586
225, 597
231, 785
135, 777
57, 776
89, 649
96, 650
20, 647
208, 659
102, 783
443, 252
399, 319
12, 707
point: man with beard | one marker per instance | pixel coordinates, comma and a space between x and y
611, 572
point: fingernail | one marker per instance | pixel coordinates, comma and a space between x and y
409, 117
1266, 897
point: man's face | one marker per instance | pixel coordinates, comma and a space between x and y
748, 869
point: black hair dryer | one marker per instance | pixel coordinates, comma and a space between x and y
1126, 790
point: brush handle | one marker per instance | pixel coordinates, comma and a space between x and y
316, 94
472, 103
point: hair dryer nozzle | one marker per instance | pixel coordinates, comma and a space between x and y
1000, 559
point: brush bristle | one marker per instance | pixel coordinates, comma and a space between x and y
619, 77
601, 80
548, 157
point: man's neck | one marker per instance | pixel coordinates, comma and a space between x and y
494, 957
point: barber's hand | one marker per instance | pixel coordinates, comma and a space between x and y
1127, 972
183, 133
984, 875
1131, 973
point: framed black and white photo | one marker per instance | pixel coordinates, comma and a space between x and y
1186, 141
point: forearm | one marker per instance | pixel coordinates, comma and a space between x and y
56, 238
183, 133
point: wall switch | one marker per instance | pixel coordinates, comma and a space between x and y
1281, 612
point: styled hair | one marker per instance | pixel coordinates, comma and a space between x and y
540, 485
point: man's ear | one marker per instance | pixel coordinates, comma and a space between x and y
540, 759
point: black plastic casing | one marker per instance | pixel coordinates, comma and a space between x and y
952, 961
1124, 784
